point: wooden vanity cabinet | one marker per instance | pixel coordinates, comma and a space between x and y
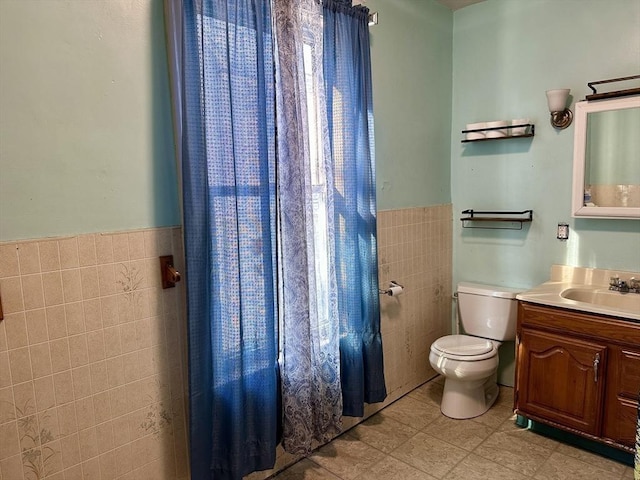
578, 372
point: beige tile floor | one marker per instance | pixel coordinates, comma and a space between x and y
411, 440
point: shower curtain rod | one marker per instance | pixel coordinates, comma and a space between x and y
373, 16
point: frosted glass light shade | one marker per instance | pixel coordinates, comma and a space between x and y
557, 99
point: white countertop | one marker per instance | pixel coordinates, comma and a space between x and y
564, 277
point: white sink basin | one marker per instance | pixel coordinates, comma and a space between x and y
586, 290
598, 296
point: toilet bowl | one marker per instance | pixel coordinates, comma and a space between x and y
469, 362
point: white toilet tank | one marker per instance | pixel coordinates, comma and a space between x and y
488, 311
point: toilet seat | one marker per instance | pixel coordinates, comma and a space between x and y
464, 348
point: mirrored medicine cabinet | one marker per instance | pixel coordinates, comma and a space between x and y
606, 162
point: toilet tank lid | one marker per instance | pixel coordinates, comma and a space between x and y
488, 290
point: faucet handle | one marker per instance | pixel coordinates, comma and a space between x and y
634, 283
614, 281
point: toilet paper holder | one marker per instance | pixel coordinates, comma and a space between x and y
392, 290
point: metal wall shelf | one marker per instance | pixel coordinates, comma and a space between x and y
614, 94
507, 137
496, 220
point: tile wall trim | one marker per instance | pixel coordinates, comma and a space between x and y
92, 358
93, 351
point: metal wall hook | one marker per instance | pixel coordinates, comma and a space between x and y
170, 276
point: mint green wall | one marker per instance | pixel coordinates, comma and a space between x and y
411, 55
506, 54
85, 122
86, 142
86, 138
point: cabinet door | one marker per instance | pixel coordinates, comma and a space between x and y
623, 387
561, 379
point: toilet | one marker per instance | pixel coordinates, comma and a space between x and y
469, 362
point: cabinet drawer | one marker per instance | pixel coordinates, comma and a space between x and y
623, 387
582, 325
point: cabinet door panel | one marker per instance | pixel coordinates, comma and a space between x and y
562, 379
623, 387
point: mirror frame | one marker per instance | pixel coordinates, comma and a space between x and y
578, 210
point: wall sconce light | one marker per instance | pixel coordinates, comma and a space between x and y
563, 231
561, 116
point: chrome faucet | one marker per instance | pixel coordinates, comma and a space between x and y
622, 286
614, 283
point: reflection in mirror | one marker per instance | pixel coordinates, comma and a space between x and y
612, 158
606, 174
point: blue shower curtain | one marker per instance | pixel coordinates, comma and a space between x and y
249, 239
347, 74
228, 159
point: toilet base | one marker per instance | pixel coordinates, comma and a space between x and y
468, 399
